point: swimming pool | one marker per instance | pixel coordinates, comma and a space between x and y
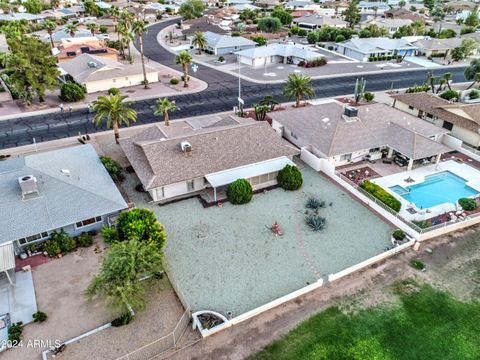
435, 190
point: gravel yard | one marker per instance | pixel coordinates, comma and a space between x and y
226, 259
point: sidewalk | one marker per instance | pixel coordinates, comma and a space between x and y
163, 88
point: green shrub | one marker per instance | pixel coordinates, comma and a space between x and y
340, 38
113, 91
239, 192
142, 225
109, 234
415, 89
84, 240
103, 29
315, 222
474, 94
398, 234
417, 264
15, 333
382, 195
221, 59
64, 241
468, 204
174, 81
52, 248
449, 95
302, 32
122, 320
39, 316
314, 203
72, 92
368, 96
422, 224
290, 178
113, 168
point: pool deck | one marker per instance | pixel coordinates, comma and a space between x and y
463, 170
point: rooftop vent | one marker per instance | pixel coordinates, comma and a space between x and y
28, 185
350, 111
186, 147
92, 64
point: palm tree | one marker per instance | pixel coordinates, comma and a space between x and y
114, 111
476, 79
92, 27
298, 86
184, 59
199, 41
139, 27
50, 26
448, 77
124, 29
269, 101
162, 107
72, 29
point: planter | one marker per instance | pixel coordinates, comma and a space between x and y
23, 256
208, 322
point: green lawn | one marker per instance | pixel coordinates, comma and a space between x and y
428, 324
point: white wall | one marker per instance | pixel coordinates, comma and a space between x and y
171, 191
119, 82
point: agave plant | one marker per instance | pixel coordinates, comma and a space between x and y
316, 222
314, 204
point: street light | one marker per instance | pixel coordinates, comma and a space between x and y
240, 100
194, 68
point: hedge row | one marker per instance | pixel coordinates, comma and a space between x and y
382, 195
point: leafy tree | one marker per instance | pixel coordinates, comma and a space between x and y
72, 29
401, 4
472, 70
239, 192
290, 178
339, 38
376, 31
352, 13
469, 46
139, 27
450, 95
369, 96
33, 6
114, 111
91, 8
269, 24
260, 40
72, 92
429, 4
50, 27
142, 225
93, 27
191, 9
312, 37
297, 86
248, 14
113, 167
199, 41
162, 107
472, 19
184, 59
32, 68
14, 30
283, 15
447, 34
123, 266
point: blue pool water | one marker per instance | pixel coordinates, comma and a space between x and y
435, 190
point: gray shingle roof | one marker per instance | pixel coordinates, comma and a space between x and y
159, 162
62, 200
371, 45
216, 41
325, 127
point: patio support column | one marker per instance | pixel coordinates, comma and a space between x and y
9, 278
410, 164
437, 160
214, 194
390, 153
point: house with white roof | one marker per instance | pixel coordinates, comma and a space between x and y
362, 49
263, 56
67, 189
22, 17
371, 6
391, 25
103, 73
315, 21
225, 44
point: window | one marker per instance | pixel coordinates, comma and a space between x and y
374, 150
447, 125
411, 107
255, 180
346, 157
264, 178
87, 222
292, 134
33, 238
430, 116
190, 185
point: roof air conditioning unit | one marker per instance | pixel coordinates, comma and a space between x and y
28, 185
350, 111
92, 64
186, 147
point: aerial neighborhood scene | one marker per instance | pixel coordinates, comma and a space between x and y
240, 179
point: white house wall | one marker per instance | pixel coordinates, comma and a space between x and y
119, 82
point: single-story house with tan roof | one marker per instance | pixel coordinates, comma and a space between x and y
101, 73
461, 119
437, 47
314, 22
343, 134
203, 156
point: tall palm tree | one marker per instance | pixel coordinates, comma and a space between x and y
162, 107
184, 59
125, 30
139, 27
199, 41
114, 111
72, 29
92, 27
50, 26
298, 86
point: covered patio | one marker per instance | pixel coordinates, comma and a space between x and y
260, 175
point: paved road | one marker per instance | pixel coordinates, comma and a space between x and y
221, 95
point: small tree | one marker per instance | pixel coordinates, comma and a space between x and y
298, 86
269, 24
113, 168
239, 192
191, 9
368, 96
162, 107
184, 59
118, 282
199, 41
290, 178
260, 40
450, 95
72, 92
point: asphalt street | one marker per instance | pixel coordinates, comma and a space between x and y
221, 95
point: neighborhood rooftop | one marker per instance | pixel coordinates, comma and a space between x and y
73, 185
159, 160
327, 128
